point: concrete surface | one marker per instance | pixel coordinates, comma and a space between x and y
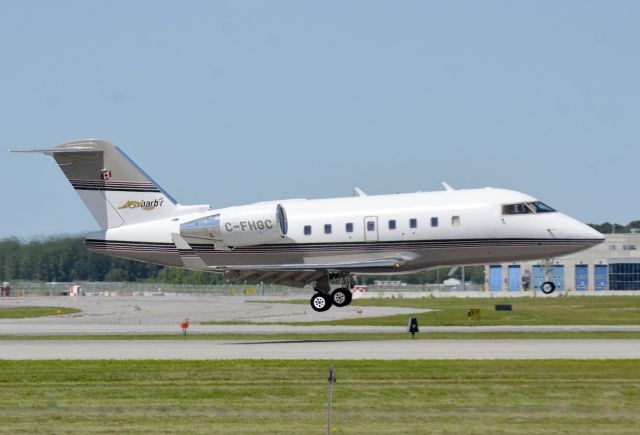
34, 329
329, 350
170, 310
103, 315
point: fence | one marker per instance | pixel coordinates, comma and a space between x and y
30, 288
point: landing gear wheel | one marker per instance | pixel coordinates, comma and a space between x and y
341, 297
320, 302
547, 287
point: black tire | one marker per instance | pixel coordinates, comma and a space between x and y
547, 287
320, 302
341, 297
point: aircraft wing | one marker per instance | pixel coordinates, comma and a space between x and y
299, 275
296, 275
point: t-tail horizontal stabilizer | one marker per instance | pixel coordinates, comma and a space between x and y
115, 190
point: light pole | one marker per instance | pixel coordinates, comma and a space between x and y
464, 286
332, 380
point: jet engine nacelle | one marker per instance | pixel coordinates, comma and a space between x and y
247, 225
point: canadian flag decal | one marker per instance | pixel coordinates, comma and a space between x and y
105, 174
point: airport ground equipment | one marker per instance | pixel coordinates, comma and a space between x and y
504, 307
473, 313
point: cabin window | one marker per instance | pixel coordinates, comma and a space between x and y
327, 228
349, 227
371, 226
307, 230
413, 223
392, 224
455, 221
434, 221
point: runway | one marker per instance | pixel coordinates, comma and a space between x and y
326, 350
26, 328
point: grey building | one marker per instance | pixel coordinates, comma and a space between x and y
612, 265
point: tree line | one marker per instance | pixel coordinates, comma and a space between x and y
65, 259
608, 228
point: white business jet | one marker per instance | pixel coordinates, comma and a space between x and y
297, 241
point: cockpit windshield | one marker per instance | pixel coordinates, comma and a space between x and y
526, 208
540, 207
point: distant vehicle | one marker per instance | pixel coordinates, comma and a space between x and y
390, 283
5, 290
296, 242
452, 281
359, 288
76, 290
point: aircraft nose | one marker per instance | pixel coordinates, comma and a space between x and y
593, 234
590, 235
575, 229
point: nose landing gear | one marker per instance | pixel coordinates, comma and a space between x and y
548, 287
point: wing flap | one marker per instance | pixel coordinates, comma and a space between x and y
372, 264
292, 279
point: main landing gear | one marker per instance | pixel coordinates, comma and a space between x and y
324, 298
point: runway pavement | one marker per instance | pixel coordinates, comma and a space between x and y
24, 328
329, 350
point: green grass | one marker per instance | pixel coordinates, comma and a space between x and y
584, 310
27, 312
289, 397
499, 335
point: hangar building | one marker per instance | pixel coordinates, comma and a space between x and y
612, 265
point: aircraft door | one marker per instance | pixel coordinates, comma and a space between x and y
371, 229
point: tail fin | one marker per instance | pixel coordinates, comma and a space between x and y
112, 186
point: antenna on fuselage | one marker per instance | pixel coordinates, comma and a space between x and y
358, 192
447, 187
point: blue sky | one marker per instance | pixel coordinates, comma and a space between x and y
241, 101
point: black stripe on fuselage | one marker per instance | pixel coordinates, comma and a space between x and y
102, 189
95, 244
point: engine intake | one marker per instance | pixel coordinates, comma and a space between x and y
247, 225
